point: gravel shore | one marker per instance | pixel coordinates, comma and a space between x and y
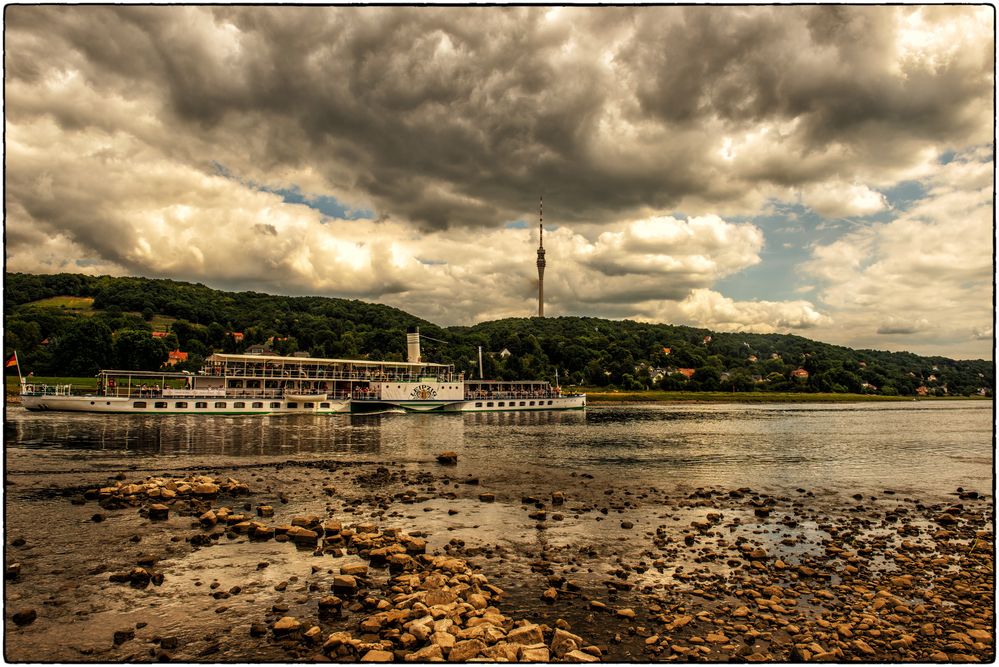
359, 561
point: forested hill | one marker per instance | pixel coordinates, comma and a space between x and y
71, 324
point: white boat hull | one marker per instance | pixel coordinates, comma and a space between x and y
186, 406
577, 402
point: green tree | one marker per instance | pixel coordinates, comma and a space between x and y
137, 350
83, 349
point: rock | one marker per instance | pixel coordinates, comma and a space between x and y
300, 535
377, 655
344, 583
550, 595
564, 642
330, 603
159, 512
13, 571
626, 613
205, 489
122, 636
627, 525
354, 569
528, 634
286, 625
265, 511
432, 653
580, 656
448, 458
169, 643
466, 650
24, 616
487, 498
535, 653
208, 519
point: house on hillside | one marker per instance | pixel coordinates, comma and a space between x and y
160, 334
922, 390
175, 357
799, 374
259, 349
686, 372
236, 336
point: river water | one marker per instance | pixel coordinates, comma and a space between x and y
929, 447
626, 471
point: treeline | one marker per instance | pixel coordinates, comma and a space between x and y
114, 331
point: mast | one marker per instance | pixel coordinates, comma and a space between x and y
541, 258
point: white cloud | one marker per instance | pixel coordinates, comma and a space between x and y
923, 281
834, 199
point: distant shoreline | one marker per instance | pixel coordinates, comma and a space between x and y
595, 398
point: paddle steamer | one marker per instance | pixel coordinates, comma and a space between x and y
234, 384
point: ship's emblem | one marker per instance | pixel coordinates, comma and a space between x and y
424, 392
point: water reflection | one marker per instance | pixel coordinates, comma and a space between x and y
938, 445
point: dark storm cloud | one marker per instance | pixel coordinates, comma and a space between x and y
461, 116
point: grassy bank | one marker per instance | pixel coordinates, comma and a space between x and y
596, 396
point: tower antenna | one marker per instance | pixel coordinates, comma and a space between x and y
541, 256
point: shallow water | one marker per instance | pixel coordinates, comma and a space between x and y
930, 447
614, 463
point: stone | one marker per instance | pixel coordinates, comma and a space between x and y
344, 583
286, 625
24, 616
564, 642
122, 636
443, 639
354, 569
447, 458
626, 613
487, 497
432, 653
535, 653
13, 571
580, 656
158, 512
466, 650
527, 634
550, 595
300, 535
206, 489
376, 655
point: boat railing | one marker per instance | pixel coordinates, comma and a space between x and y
478, 395
46, 389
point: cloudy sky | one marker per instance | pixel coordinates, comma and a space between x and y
820, 170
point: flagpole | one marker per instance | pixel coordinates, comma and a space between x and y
17, 363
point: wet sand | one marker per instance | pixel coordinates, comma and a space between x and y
577, 563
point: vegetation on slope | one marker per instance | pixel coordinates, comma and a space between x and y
70, 324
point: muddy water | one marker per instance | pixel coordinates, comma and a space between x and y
617, 467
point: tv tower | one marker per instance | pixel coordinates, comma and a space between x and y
541, 257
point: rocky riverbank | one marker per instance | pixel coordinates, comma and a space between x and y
355, 561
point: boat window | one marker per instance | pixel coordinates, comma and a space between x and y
180, 404
239, 404
523, 403
500, 404
292, 405
489, 404
258, 405
220, 404
478, 404
532, 402
549, 402
139, 404
309, 405
324, 405
275, 404
201, 404
253, 384
159, 404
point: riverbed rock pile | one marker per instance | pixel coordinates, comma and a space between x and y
164, 490
430, 608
